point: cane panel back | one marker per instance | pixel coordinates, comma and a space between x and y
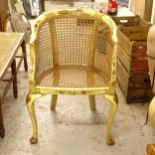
78, 45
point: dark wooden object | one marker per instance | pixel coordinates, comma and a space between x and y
43, 5
14, 75
2, 130
24, 56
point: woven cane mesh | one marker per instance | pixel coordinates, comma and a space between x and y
73, 41
73, 77
74, 51
104, 48
44, 54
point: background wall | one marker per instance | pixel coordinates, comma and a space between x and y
144, 8
137, 7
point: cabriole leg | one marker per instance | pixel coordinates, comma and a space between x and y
92, 102
30, 105
113, 107
53, 102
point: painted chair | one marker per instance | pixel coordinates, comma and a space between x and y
151, 64
73, 52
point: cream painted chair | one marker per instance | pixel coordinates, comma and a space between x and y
73, 52
151, 62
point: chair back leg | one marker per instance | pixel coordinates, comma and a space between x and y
92, 102
53, 102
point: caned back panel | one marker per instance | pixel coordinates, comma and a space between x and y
44, 53
74, 40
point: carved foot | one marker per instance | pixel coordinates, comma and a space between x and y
110, 141
33, 140
2, 132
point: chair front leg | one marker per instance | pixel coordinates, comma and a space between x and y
92, 102
30, 105
113, 99
53, 102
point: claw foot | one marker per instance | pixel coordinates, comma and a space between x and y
33, 140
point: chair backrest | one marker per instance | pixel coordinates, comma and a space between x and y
17, 22
7, 25
73, 37
20, 23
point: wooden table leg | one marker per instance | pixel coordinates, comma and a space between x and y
14, 73
2, 130
43, 5
24, 55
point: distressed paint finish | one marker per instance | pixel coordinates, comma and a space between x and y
109, 92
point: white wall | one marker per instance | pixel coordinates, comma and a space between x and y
137, 7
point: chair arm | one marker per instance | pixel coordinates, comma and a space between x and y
114, 62
32, 66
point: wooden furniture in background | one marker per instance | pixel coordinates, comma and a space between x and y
43, 5
11, 25
10, 43
132, 65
